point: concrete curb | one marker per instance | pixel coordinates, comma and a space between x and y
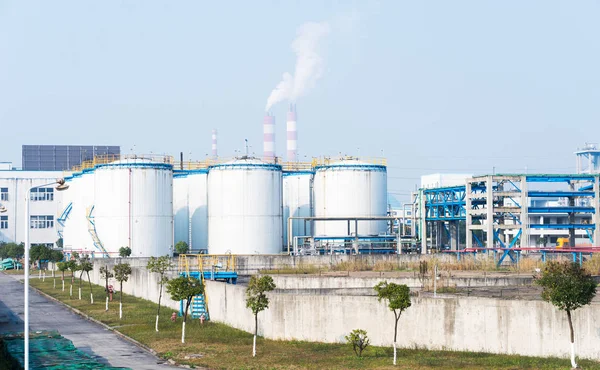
89, 318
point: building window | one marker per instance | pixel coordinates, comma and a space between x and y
4, 194
3, 222
41, 194
41, 222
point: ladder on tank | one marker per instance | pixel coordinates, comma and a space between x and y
92, 230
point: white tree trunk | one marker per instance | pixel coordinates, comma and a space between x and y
54, 283
106, 309
44, 276
573, 363
80, 294
63, 285
156, 326
120, 310
40, 273
91, 298
183, 332
254, 347
394, 353
71, 291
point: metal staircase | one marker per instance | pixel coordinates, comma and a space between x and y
204, 267
63, 218
93, 233
65, 214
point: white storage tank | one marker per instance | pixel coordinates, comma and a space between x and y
72, 233
245, 207
350, 188
134, 206
296, 202
86, 199
65, 218
190, 208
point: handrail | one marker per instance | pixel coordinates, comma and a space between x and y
110, 158
92, 230
326, 161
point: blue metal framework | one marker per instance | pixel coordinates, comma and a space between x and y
445, 204
449, 204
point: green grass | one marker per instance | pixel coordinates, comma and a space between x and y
223, 347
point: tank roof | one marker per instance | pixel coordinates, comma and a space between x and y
247, 162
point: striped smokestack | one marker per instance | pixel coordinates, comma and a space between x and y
292, 134
214, 143
269, 137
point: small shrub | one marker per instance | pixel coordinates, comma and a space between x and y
359, 341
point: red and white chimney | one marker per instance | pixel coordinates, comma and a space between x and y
214, 143
292, 135
269, 137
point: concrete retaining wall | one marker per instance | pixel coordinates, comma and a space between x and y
141, 283
467, 323
532, 328
339, 282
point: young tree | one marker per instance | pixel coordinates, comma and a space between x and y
122, 272
181, 247
124, 252
106, 274
184, 288
39, 252
62, 267
568, 287
56, 256
359, 341
73, 266
257, 301
14, 250
159, 266
86, 266
398, 298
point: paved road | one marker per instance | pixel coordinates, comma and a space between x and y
87, 336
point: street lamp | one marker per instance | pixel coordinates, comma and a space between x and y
60, 185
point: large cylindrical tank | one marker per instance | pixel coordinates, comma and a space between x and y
86, 202
296, 202
190, 208
245, 207
73, 233
350, 188
66, 212
134, 207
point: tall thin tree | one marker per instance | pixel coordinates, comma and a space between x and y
568, 287
184, 288
159, 266
122, 272
257, 300
398, 299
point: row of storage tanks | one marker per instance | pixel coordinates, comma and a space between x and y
239, 207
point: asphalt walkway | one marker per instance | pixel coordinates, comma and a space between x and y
87, 336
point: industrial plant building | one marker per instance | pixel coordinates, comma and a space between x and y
248, 205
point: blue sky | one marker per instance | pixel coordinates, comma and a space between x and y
436, 86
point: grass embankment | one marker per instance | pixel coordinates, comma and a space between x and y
483, 262
222, 347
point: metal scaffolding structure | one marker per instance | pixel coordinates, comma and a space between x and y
496, 211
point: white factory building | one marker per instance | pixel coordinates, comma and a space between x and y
44, 205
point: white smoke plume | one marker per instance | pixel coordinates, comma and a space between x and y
309, 64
